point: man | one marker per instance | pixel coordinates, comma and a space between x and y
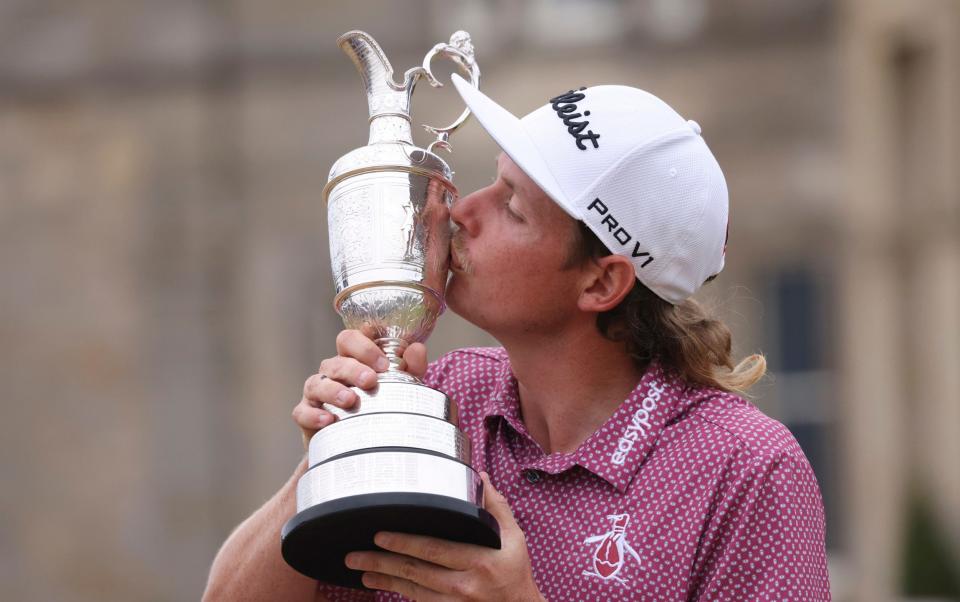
617, 457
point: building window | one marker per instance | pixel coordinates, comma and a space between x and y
802, 396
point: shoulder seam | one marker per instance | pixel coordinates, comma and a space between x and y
781, 450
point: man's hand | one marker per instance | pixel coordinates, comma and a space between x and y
427, 568
357, 361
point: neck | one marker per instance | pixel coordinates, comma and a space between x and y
570, 383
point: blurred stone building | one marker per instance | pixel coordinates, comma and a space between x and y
164, 279
898, 277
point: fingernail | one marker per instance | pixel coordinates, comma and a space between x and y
344, 397
382, 363
350, 560
369, 377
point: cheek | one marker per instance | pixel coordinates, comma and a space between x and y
513, 262
531, 276
510, 265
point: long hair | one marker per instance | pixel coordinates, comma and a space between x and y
684, 337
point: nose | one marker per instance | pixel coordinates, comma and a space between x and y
465, 214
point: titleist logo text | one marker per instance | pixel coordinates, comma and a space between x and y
566, 107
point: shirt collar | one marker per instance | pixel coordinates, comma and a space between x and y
619, 447
504, 402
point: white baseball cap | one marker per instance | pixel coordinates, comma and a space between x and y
634, 171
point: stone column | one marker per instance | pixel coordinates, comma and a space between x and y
871, 380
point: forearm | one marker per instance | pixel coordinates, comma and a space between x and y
249, 565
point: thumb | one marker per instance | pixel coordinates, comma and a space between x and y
415, 358
496, 504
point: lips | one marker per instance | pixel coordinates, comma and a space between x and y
456, 252
455, 264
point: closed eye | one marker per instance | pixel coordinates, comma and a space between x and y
510, 212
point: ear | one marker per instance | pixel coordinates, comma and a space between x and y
607, 281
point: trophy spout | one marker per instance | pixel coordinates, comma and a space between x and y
388, 102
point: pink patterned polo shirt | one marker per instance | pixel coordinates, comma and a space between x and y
685, 493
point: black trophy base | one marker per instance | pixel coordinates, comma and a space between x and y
316, 540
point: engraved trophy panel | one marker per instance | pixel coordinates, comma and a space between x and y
390, 236
390, 430
397, 461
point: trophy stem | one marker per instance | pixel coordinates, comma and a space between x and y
393, 348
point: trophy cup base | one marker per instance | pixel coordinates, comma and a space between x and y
316, 540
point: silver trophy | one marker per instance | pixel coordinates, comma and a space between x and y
397, 461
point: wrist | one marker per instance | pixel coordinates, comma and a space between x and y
531, 593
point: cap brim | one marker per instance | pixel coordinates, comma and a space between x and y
510, 135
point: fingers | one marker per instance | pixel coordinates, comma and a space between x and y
449, 554
320, 389
343, 371
402, 574
311, 419
353, 344
356, 365
497, 505
416, 359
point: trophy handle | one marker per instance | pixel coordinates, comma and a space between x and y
460, 51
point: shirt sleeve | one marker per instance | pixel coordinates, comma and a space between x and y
436, 372
769, 543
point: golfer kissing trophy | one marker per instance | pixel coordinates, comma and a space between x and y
397, 461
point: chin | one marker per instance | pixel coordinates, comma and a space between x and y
452, 298
464, 310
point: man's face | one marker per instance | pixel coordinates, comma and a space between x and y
509, 257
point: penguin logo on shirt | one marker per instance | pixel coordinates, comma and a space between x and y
611, 552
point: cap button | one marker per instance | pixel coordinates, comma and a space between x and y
694, 126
